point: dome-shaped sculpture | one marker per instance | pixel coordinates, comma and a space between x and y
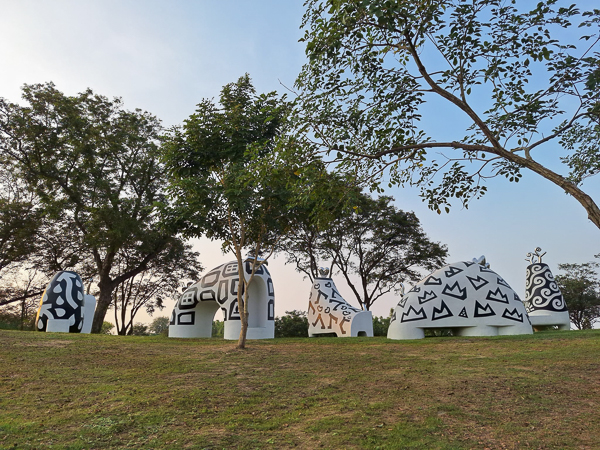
64, 307
467, 297
194, 312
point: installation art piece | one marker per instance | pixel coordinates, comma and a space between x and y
543, 300
194, 312
467, 297
329, 313
64, 306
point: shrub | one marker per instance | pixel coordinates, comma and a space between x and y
106, 328
218, 328
139, 329
381, 325
293, 324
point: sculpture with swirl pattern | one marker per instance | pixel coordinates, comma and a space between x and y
543, 300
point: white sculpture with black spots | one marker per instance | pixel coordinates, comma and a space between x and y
467, 297
64, 306
329, 313
194, 312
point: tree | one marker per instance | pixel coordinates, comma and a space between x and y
580, 287
376, 247
162, 279
503, 72
20, 297
159, 325
335, 197
237, 178
94, 167
19, 217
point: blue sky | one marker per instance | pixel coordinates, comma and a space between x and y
164, 57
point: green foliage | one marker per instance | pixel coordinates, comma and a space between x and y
140, 329
106, 327
94, 168
373, 242
20, 220
216, 183
13, 320
236, 177
508, 71
580, 288
218, 329
381, 325
162, 279
292, 324
159, 325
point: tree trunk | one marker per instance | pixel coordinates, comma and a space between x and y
104, 301
244, 329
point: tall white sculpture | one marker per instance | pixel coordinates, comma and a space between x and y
194, 312
329, 313
467, 297
64, 307
543, 300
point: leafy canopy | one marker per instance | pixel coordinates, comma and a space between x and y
374, 245
516, 83
94, 168
580, 287
236, 176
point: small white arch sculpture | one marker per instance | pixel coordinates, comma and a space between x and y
468, 297
64, 307
193, 314
543, 300
329, 313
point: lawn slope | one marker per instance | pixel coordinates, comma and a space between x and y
91, 391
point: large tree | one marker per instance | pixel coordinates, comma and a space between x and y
335, 197
162, 279
519, 85
94, 167
20, 294
20, 217
581, 289
237, 178
374, 245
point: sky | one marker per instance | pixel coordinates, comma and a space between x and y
164, 57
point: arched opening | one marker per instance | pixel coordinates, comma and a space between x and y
258, 303
362, 333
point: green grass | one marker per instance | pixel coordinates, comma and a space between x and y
69, 391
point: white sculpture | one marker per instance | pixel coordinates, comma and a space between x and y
329, 313
543, 300
467, 297
64, 307
89, 307
194, 312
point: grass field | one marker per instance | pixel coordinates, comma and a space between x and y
94, 392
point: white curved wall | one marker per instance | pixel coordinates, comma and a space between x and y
193, 315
